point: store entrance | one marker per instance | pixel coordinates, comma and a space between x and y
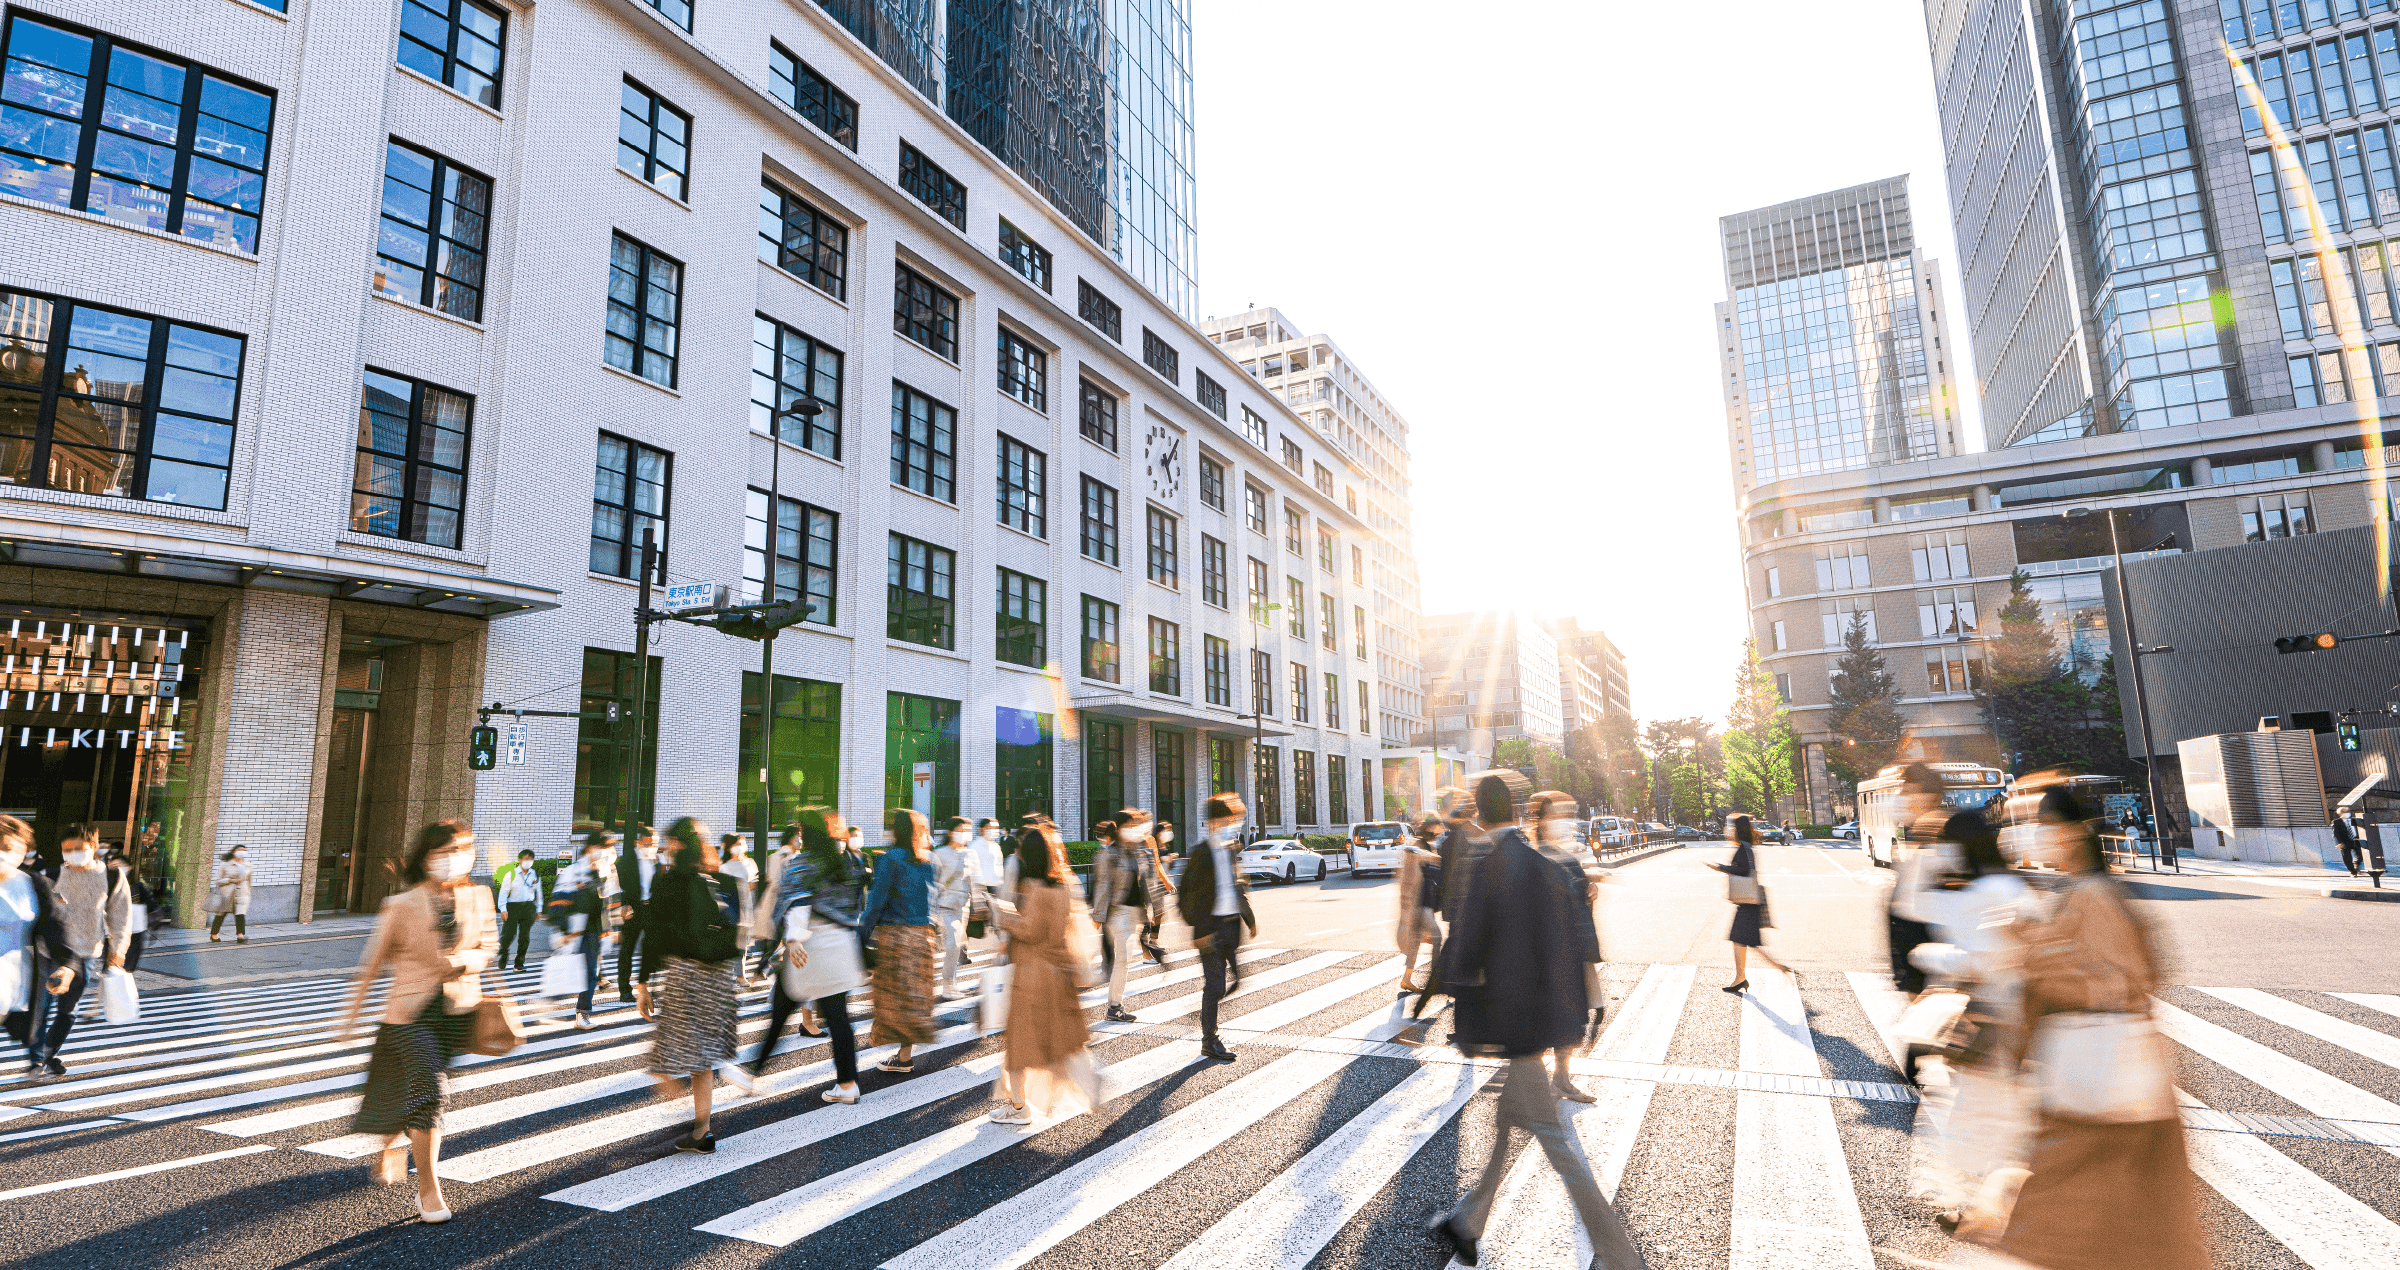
346, 860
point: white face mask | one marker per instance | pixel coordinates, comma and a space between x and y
646, 853
991, 835
958, 837
455, 864
1136, 833
76, 859
1166, 835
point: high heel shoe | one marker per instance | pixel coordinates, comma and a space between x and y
431, 1216
1736, 989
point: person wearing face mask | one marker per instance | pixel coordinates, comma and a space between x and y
578, 913
1129, 892
735, 863
521, 897
32, 940
1215, 902
953, 887
1553, 812
435, 938
229, 895
637, 872
94, 903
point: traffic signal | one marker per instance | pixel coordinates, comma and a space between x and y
2347, 734
2316, 643
483, 748
757, 621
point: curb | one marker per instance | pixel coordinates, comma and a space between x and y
2387, 897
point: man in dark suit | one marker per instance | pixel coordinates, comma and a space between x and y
637, 866
1214, 899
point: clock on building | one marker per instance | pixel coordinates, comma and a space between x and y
1162, 459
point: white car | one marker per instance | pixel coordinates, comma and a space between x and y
1375, 847
1847, 830
1282, 858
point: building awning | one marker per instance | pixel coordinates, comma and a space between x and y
1126, 705
94, 550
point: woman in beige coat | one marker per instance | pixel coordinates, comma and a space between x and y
1047, 1068
229, 895
436, 937
1418, 924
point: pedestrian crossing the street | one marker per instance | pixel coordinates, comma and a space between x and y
1762, 1130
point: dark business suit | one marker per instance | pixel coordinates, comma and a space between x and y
1217, 938
636, 900
46, 950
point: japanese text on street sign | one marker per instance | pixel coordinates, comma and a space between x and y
686, 596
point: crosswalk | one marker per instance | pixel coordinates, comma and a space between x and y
1326, 1144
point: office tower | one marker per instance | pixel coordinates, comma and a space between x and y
1608, 692
1491, 676
1151, 148
1029, 78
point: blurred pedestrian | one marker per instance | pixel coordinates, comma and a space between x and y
1513, 966
766, 903
815, 904
690, 977
1129, 895
229, 895
1214, 901
1420, 898
738, 866
1921, 854
2346, 836
436, 937
1552, 814
953, 888
578, 912
1046, 1069
637, 872
1749, 899
899, 914
94, 903
521, 898
138, 914
2109, 1127
32, 942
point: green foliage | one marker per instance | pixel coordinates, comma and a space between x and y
1814, 831
1761, 752
2046, 715
1863, 700
1552, 769
1329, 843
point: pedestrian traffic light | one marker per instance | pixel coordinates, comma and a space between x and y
757, 621
2347, 733
483, 748
2316, 643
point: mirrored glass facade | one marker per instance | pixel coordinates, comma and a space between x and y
1834, 370
1150, 147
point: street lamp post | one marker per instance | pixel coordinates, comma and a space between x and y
2141, 700
1261, 692
806, 408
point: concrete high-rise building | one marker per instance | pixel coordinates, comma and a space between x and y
1490, 677
1332, 395
1596, 652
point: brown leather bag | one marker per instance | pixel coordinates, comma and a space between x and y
497, 1029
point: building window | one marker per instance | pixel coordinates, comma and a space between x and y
654, 139
1161, 356
1210, 392
101, 402
1024, 619
455, 42
1099, 310
1262, 683
1938, 557
1025, 255
802, 241
1099, 639
924, 312
1212, 483
1358, 565
1836, 617
1358, 629
1292, 457
1254, 427
1254, 509
1842, 567
1099, 521
1955, 674
1024, 482
1165, 563
1350, 498
1304, 787
1780, 645
1333, 700
1365, 707
1295, 608
920, 599
1783, 689
786, 367
1337, 790
604, 756
1258, 591
1103, 769
629, 495
803, 555
429, 249
1170, 772
1024, 371
919, 731
923, 435
1224, 763
2304, 380
1323, 476
1295, 528
798, 85
1940, 615
1774, 582
678, 12
808, 744
1212, 571
1166, 657
645, 311
172, 145
1096, 415
1266, 784
1217, 669
2275, 516
1329, 626
932, 186
1022, 764
1325, 547
412, 461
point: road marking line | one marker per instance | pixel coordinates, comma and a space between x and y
2285, 1077
1883, 1004
1794, 1203
2316, 1220
2367, 1042
1254, 982
48, 1130
2383, 1001
1294, 1009
160, 1167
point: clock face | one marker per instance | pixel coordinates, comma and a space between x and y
1162, 459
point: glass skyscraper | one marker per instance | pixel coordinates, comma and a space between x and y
1150, 147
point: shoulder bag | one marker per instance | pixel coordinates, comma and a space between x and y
496, 1028
1743, 889
833, 964
2103, 1067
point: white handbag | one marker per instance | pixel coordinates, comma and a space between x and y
833, 964
1741, 889
120, 997
996, 983
2104, 1068
1083, 945
563, 972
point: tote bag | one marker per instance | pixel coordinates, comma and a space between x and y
2104, 1068
996, 983
833, 965
1083, 945
563, 972
120, 999
1742, 890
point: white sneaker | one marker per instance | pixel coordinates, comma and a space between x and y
738, 1076
1013, 1115
583, 1022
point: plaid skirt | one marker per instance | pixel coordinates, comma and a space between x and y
695, 1007
407, 1083
904, 985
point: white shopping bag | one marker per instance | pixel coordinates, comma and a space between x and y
995, 998
562, 973
120, 999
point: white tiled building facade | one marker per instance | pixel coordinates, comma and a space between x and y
309, 614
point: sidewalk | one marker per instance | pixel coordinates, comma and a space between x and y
182, 957
2321, 879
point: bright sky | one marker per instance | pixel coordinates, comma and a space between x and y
1508, 217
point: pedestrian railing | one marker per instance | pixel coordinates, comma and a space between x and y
2133, 851
1633, 844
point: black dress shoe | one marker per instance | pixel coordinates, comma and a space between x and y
1460, 1246
1214, 1048
1736, 989
1119, 1014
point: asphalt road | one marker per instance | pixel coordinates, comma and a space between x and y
215, 1132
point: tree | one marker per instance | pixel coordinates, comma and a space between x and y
1760, 748
1865, 717
2044, 712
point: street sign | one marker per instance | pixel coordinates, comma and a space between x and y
482, 747
921, 788
689, 596
514, 755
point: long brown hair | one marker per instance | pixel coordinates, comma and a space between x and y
909, 830
1044, 840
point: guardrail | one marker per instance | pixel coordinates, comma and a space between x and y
2129, 850
1644, 841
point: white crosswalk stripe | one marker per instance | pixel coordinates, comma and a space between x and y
571, 1117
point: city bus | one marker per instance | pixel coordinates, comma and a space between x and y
1964, 786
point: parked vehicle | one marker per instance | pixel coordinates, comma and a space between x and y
1375, 847
1847, 829
1282, 858
1687, 833
1606, 831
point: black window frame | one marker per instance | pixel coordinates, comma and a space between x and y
1295, 530
453, 65
1096, 414
1164, 529
1254, 427
1328, 546
926, 314
1024, 371
820, 433
1213, 581
1259, 583
417, 470
189, 148
1209, 393
815, 560
920, 615
1262, 683
1105, 315
932, 185
1333, 700
927, 464
806, 90
1103, 647
678, 12
441, 248
1216, 669
1019, 639
629, 547
1295, 616
1212, 483
1254, 508
1162, 357
1098, 520
1294, 458
1304, 788
640, 309
1301, 689
1166, 657
652, 163
1027, 257
809, 244
1329, 621
1023, 502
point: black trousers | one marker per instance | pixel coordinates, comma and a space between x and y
54, 1017
1906, 935
133, 951
2354, 858
587, 946
833, 1011
520, 927
629, 937
1219, 943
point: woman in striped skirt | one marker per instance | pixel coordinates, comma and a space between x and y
691, 954
900, 913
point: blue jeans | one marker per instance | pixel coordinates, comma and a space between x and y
54, 1017
589, 950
